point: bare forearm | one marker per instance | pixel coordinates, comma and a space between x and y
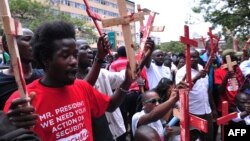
118, 97
92, 76
161, 110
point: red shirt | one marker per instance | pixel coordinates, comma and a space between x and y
65, 113
229, 95
121, 64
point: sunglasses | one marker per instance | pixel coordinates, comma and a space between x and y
153, 101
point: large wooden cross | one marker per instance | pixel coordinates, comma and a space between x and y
145, 30
187, 119
213, 48
225, 118
13, 28
229, 66
125, 21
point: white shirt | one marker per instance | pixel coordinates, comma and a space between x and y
156, 73
106, 82
156, 125
198, 96
238, 118
245, 67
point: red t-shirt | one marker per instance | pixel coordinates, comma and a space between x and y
230, 94
65, 113
121, 64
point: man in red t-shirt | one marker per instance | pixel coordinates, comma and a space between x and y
222, 79
62, 106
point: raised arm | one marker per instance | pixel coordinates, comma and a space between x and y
120, 93
103, 47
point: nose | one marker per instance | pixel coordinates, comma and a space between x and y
73, 60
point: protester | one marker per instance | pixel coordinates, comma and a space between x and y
64, 105
199, 98
7, 80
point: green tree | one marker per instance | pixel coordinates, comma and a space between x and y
173, 46
32, 13
233, 14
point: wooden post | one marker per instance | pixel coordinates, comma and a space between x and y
11, 30
229, 66
225, 117
129, 45
186, 40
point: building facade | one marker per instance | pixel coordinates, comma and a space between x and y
105, 8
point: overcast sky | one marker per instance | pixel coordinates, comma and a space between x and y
173, 14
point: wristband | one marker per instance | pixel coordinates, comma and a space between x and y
100, 61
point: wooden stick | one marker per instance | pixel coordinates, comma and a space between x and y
129, 45
11, 29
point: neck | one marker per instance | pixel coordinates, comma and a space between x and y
82, 72
195, 67
51, 83
27, 70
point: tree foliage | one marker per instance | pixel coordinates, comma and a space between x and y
233, 14
32, 13
173, 46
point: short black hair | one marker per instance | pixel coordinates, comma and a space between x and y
44, 37
121, 51
4, 43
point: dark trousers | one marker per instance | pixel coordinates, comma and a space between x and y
128, 109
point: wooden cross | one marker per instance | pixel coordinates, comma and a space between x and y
229, 66
225, 117
186, 40
125, 21
212, 47
13, 28
187, 119
153, 28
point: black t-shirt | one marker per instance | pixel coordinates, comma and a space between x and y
8, 85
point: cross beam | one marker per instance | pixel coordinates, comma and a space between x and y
123, 20
187, 119
12, 28
225, 117
230, 65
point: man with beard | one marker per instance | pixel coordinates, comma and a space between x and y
63, 105
109, 126
199, 98
7, 80
156, 70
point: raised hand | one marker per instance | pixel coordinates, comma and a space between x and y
21, 113
103, 47
149, 45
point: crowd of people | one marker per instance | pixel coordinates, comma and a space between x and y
77, 93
